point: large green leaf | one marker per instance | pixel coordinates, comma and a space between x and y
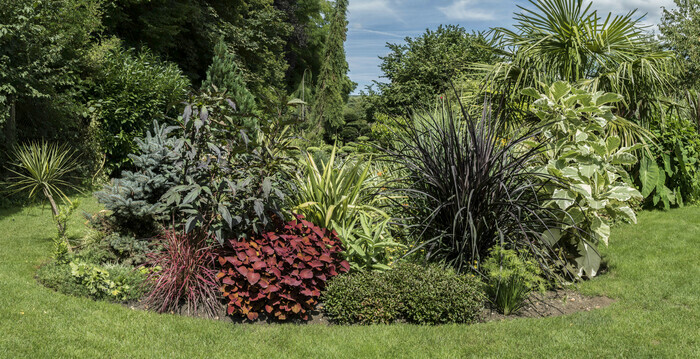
648, 175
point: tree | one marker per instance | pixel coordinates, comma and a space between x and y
303, 47
186, 31
422, 69
680, 30
225, 74
561, 40
42, 45
333, 85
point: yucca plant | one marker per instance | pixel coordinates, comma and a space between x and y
334, 193
469, 187
42, 170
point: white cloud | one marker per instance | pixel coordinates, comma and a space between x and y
467, 10
360, 9
652, 8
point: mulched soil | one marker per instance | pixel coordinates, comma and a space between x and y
551, 304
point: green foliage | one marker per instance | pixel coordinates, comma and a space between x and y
42, 169
333, 85
116, 283
565, 40
227, 77
332, 195
466, 188
115, 248
670, 176
421, 69
186, 31
231, 186
590, 163
369, 246
135, 197
42, 44
511, 279
132, 90
303, 46
679, 30
412, 293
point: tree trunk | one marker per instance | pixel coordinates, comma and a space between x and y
11, 133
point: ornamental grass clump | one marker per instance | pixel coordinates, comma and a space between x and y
182, 274
468, 186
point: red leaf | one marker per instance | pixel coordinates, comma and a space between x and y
306, 274
252, 277
230, 310
296, 308
268, 309
243, 270
252, 316
316, 264
228, 280
344, 266
258, 265
325, 258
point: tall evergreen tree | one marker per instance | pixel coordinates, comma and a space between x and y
225, 74
333, 85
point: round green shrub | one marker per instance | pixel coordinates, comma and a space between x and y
409, 292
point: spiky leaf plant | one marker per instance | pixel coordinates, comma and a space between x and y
42, 170
469, 188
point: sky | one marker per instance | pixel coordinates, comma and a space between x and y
373, 23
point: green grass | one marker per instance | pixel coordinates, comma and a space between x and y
655, 276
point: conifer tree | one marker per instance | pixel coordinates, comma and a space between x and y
333, 86
226, 76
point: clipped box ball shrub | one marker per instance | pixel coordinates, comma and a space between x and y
409, 292
280, 274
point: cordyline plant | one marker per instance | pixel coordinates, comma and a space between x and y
469, 187
182, 274
280, 274
42, 169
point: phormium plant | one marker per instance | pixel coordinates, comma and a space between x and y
280, 273
468, 186
182, 274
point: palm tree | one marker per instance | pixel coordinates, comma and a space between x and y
561, 40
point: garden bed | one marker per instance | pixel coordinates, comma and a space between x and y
551, 304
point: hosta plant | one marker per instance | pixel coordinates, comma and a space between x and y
279, 274
580, 153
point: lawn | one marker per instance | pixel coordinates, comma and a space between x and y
654, 276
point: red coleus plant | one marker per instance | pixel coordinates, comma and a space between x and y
280, 273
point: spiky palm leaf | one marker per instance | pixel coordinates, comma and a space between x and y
40, 168
563, 40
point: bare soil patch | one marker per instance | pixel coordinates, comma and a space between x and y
551, 304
